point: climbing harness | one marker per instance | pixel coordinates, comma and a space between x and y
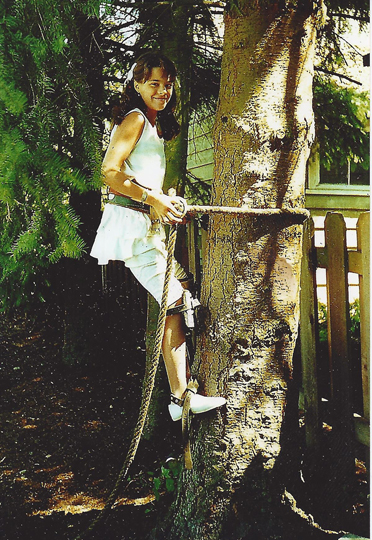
298, 214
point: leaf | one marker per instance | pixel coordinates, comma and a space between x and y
169, 485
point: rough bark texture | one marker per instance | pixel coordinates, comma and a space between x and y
177, 43
263, 134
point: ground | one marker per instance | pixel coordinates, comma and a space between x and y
65, 431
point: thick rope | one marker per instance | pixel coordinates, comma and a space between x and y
301, 213
147, 392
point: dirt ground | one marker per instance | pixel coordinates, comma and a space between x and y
65, 431
64, 436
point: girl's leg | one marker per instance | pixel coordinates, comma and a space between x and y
148, 264
174, 353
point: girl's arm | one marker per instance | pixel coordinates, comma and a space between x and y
121, 145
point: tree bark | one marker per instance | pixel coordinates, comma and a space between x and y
177, 43
263, 133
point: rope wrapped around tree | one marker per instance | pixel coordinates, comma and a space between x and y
301, 213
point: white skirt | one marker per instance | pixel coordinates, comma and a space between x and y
125, 235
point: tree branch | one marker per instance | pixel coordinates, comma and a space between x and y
337, 75
115, 28
210, 3
350, 45
110, 43
348, 16
291, 502
201, 45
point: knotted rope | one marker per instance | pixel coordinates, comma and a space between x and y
298, 213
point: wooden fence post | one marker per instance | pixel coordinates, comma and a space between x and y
342, 465
308, 327
193, 251
363, 238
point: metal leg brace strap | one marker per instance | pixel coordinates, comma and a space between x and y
188, 306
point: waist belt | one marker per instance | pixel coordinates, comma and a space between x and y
120, 200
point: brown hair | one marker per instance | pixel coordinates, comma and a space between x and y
131, 99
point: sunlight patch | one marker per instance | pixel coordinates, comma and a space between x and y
80, 503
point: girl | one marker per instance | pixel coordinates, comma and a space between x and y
131, 227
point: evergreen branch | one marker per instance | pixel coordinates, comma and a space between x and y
350, 45
348, 16
211, 3
328, 72
118, 45
117, 28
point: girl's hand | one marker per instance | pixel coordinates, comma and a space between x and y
170, 209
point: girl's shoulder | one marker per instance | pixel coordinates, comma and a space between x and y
134, 121
135, 116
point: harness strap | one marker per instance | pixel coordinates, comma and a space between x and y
188, 306
120, 200
177, 401
176, 309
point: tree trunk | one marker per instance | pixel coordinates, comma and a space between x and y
177, 43
263, 133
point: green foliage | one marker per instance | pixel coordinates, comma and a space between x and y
355, 319
354, 310
49, 143
341, 15
352, 8
341, 111
322, 321
341, 116
166, 479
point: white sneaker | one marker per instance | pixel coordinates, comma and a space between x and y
198, 404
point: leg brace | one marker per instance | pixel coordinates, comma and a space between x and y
188, 306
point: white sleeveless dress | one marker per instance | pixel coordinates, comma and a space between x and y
125, 235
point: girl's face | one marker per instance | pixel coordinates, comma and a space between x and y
156, 91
